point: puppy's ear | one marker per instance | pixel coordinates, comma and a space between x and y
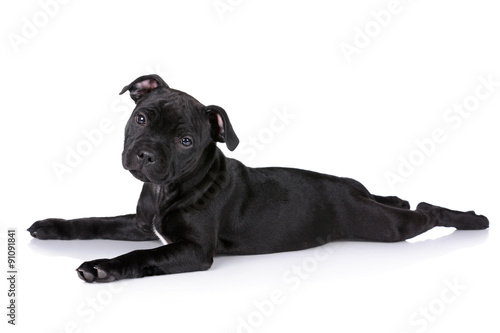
144, 85
221, 128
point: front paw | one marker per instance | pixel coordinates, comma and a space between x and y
100, 270
48, 229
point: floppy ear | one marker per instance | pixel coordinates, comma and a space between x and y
221, 128
144, 85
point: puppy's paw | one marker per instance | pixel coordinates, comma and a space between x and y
48, 229
474, 222
101, 270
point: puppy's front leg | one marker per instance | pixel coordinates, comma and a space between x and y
178, 257
122, 227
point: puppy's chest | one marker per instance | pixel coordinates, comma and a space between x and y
159, 220
158, 228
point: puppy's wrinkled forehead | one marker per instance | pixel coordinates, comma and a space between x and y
170, 110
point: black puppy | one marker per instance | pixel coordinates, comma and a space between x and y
201, 203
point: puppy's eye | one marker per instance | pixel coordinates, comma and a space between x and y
186, 142
140, 119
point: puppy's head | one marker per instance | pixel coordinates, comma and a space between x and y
170, 133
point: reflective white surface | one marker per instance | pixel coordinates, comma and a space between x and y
355, 286
294, 100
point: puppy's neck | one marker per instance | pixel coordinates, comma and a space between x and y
184, 193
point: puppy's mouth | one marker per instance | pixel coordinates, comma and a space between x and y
139, 175
146, 175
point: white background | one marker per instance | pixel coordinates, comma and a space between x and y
357, 118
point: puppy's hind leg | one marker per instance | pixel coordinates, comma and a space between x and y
452, 218
372, 220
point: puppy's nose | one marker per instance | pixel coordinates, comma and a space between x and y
146, 157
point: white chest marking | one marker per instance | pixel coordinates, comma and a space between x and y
156, 191
162, 239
